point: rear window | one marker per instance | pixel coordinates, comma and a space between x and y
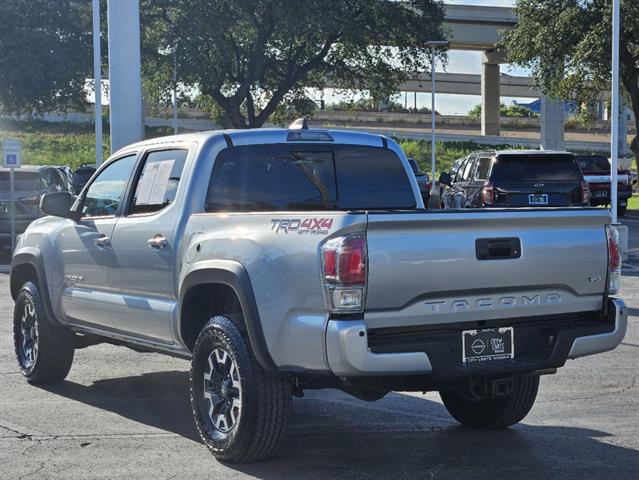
307, 177
525, 168
23, 181
594, 164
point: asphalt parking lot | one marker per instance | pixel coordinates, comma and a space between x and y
122, 414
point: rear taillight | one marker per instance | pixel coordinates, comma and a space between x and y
614, 260
488, 194
585, 192
344, 266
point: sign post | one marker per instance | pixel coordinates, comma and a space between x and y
12, 159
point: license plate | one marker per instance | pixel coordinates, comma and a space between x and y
601, 194
488, 344
538, 199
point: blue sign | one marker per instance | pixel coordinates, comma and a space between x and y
12, 159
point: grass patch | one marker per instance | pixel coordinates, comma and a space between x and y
48, 143
65, 143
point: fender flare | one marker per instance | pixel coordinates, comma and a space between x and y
234, 275
33, 257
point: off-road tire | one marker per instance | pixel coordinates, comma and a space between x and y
54, 344
264, 398
493, 412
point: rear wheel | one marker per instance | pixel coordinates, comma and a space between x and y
239, 409
493, 412
44, 350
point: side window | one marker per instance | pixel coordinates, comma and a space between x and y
460, 172
105, 193
59, 180
468, 168
157, 184
482, 169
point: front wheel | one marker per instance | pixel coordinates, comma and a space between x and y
493, 412
239, 409
44, 350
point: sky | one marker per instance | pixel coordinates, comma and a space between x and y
461, 62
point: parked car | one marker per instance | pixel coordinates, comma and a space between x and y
279, 261
81, 176
517, 178
596, 171
30, 183
423, 180
452, 173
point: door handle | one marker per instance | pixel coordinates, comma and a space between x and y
102, 241
157, 242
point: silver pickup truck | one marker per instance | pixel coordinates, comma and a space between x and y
284, 260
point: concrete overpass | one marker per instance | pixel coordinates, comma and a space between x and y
481, 28
470, 28
470, 84
477, 27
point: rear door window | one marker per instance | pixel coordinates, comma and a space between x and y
459, 176
468, 169
525, 168
157, 184
307, 177
483, 166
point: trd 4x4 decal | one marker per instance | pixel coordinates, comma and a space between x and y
310, 226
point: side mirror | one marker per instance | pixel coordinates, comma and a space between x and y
57, 204
445, 178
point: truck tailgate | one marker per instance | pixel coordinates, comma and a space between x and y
448, 267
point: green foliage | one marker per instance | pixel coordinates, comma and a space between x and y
45, 55
446, 154
512, 110
567, 46
252, 56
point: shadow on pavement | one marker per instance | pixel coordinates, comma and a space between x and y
332, 435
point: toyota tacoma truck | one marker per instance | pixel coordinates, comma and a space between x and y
284, 260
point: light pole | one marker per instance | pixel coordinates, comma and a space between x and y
614, 120
433, 44
175, 119
172, 51
97, 75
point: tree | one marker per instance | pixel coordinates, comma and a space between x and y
45, 55
250, 56
512, 110
567, 46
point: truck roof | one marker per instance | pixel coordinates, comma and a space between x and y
531, 152
266, 135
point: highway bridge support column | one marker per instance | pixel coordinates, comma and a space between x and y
490, 94
552, 124
125, 83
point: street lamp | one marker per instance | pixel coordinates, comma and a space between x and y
172, 50
97, 76
614, 121
433, 44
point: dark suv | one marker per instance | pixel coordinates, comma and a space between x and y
516, 178
30, 183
